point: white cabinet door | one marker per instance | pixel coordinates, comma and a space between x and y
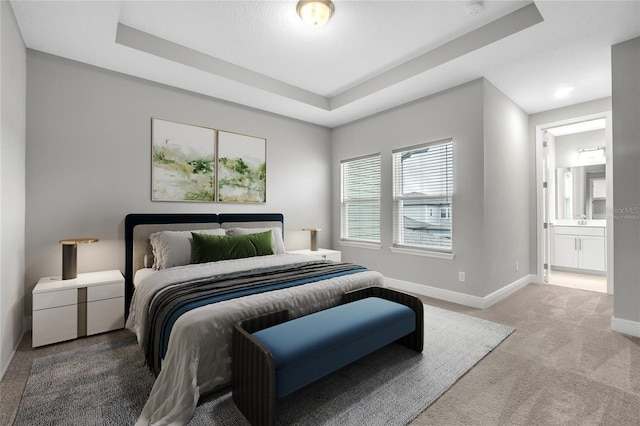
565, 251
105, 291
592, 253
105, 315
578, 247
55, 316
54, 325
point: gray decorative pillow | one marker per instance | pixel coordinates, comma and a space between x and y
278, 242
173, 248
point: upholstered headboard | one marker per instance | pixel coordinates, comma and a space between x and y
138, 227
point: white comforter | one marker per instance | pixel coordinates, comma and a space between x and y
198, 359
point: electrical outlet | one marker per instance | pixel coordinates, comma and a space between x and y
461, 277
517, 265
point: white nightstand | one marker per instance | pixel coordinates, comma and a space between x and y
334, 255
89, 304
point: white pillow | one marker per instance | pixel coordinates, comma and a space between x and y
173, 248
278, 243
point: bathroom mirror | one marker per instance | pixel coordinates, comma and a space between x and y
581, 192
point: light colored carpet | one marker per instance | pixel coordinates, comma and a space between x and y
102, 384
107, 383
562, 366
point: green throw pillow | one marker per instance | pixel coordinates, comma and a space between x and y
211, 248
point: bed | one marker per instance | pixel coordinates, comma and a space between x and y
183, 313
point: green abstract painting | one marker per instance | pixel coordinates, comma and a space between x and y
242, 168
183, 162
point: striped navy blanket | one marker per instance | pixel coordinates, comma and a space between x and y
173, 301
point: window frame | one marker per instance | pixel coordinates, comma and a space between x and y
399, 243
345, 202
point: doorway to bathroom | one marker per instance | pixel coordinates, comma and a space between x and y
575, 233
578, 281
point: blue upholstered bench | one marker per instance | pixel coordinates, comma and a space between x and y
273, 356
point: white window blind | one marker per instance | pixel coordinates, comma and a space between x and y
423, 196
360, 199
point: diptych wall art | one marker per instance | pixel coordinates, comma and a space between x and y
195, 163
242, 167
183, 162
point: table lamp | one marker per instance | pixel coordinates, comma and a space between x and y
70, 256
314, 237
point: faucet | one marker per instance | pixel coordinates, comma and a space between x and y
582, 220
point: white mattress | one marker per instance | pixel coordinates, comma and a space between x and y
198, 359
141, 274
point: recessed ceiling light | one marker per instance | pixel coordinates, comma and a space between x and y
474, 7
563, 92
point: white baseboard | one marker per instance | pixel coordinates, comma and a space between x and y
3, 368
462, 298
632, 328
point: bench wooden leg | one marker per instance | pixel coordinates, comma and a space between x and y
252, 370
415, 340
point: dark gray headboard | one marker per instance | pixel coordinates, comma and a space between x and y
138, 227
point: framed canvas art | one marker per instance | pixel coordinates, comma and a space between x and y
242, 168
183, 162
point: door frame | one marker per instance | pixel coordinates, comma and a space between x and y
609, 203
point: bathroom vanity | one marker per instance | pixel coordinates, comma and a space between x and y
579, 246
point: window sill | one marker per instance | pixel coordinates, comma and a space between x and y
370, 246
426, 253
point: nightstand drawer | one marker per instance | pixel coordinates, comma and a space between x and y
105, 315
55, 325
336, 257
105, 291
53, 299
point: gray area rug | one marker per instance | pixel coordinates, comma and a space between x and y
108, 383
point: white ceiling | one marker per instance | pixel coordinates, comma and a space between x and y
371, 56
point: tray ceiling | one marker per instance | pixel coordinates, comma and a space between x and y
371, 56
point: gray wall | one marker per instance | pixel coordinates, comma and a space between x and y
625, 59
506, 182
88, 162
567, 146
471, 114
12, 183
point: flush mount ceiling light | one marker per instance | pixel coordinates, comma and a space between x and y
315, 13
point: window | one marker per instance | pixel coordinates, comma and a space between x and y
423, 196
360, 199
